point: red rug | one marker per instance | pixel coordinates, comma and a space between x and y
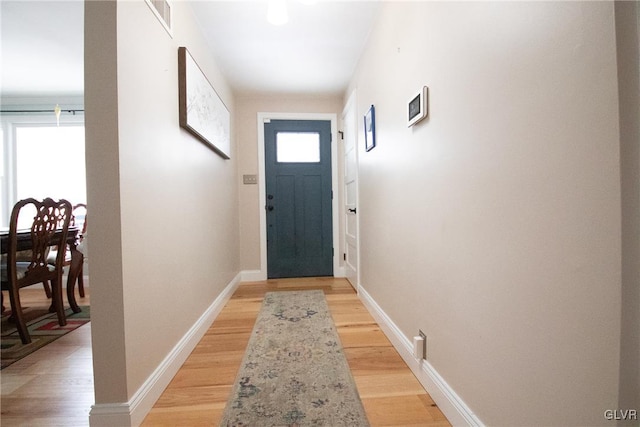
43, 328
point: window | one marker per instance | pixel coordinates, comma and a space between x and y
293, 147
41, 159
50, 163
3, 180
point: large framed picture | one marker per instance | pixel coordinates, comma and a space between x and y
370, 129
201, 110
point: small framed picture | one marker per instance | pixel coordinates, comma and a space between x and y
370, 129
418, 106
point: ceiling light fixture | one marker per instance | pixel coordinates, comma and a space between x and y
277, 13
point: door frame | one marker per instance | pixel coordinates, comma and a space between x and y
338, 270
351, 107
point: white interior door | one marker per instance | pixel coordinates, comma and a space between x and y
351, 191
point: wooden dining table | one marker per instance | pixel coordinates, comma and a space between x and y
75, 267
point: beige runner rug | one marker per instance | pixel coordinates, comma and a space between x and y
294, 372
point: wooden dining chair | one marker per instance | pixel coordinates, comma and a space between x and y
78, 220
49, 226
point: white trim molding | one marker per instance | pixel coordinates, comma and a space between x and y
133, 412
264, 118
253, 275
451, 405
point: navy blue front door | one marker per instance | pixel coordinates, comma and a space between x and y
298, 188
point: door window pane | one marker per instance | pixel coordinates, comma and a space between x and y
297, 147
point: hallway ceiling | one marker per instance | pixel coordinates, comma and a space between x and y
316, 52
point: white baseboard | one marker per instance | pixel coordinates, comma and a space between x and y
451, 405
253, 275
339, 272
133, 412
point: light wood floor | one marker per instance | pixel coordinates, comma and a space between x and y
390, 393
54, 385
31, 388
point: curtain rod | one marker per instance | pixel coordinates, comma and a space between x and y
41, 111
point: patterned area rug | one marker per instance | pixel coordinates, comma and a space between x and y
294, 372
43, 328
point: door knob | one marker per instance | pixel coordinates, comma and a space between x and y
352, 210
269, 208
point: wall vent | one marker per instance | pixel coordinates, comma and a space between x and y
162, 10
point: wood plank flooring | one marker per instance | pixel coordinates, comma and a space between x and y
31, 388
54, 385
391, 395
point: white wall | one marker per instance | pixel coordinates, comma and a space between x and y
494, 225
164, 207
628, 34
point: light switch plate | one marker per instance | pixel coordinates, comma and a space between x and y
249, 179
